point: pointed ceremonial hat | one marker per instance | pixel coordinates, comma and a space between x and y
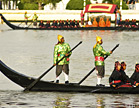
59, 37
98, 38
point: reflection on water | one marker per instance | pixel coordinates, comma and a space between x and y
62, 102
100, 103
19, 99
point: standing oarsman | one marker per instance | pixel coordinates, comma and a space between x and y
99, 54
35, 17
61, 49
26, 18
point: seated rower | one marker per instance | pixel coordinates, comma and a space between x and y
102, 23
67, 23
125, 78
118, 77
133, 23
47, 25
115, 79
121, 23
72, 23
77, 24
41, 25
60, 25
127, 23
108, 23
135, 76
95, 23
63, 23
53, 24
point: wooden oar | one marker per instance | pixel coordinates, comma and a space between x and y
30, 24
20, 23
38, 79
94, 67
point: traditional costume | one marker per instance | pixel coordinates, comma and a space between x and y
115, 78
99, 54
135, 76
26, 19
118, 77
60, 50
35, 17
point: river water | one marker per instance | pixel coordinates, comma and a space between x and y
30, 52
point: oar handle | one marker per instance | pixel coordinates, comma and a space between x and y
37, 80
94, 67
112, 50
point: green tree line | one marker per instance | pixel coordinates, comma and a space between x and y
72, 4
35, 4
117, 2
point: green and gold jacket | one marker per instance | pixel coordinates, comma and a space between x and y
35, 17
59, 51
26, 17
99, 54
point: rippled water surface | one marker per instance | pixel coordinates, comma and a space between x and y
31, 53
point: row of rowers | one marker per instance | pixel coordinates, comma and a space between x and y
119, 78
101, 23
128, 23
60, 24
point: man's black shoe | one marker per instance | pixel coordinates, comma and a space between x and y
57, 81
66, 82
97, 85
100, 85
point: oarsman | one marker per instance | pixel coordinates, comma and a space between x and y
99, 54
60, 25
77, 23
125, 78
63, 23
56, 23
35, 17
41, 24
61, 49
133, 23
67, 23
53, 24
73, 23
127, 23
135, 76
115, 78
26, 18
47, 25
118, 77
70, 24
